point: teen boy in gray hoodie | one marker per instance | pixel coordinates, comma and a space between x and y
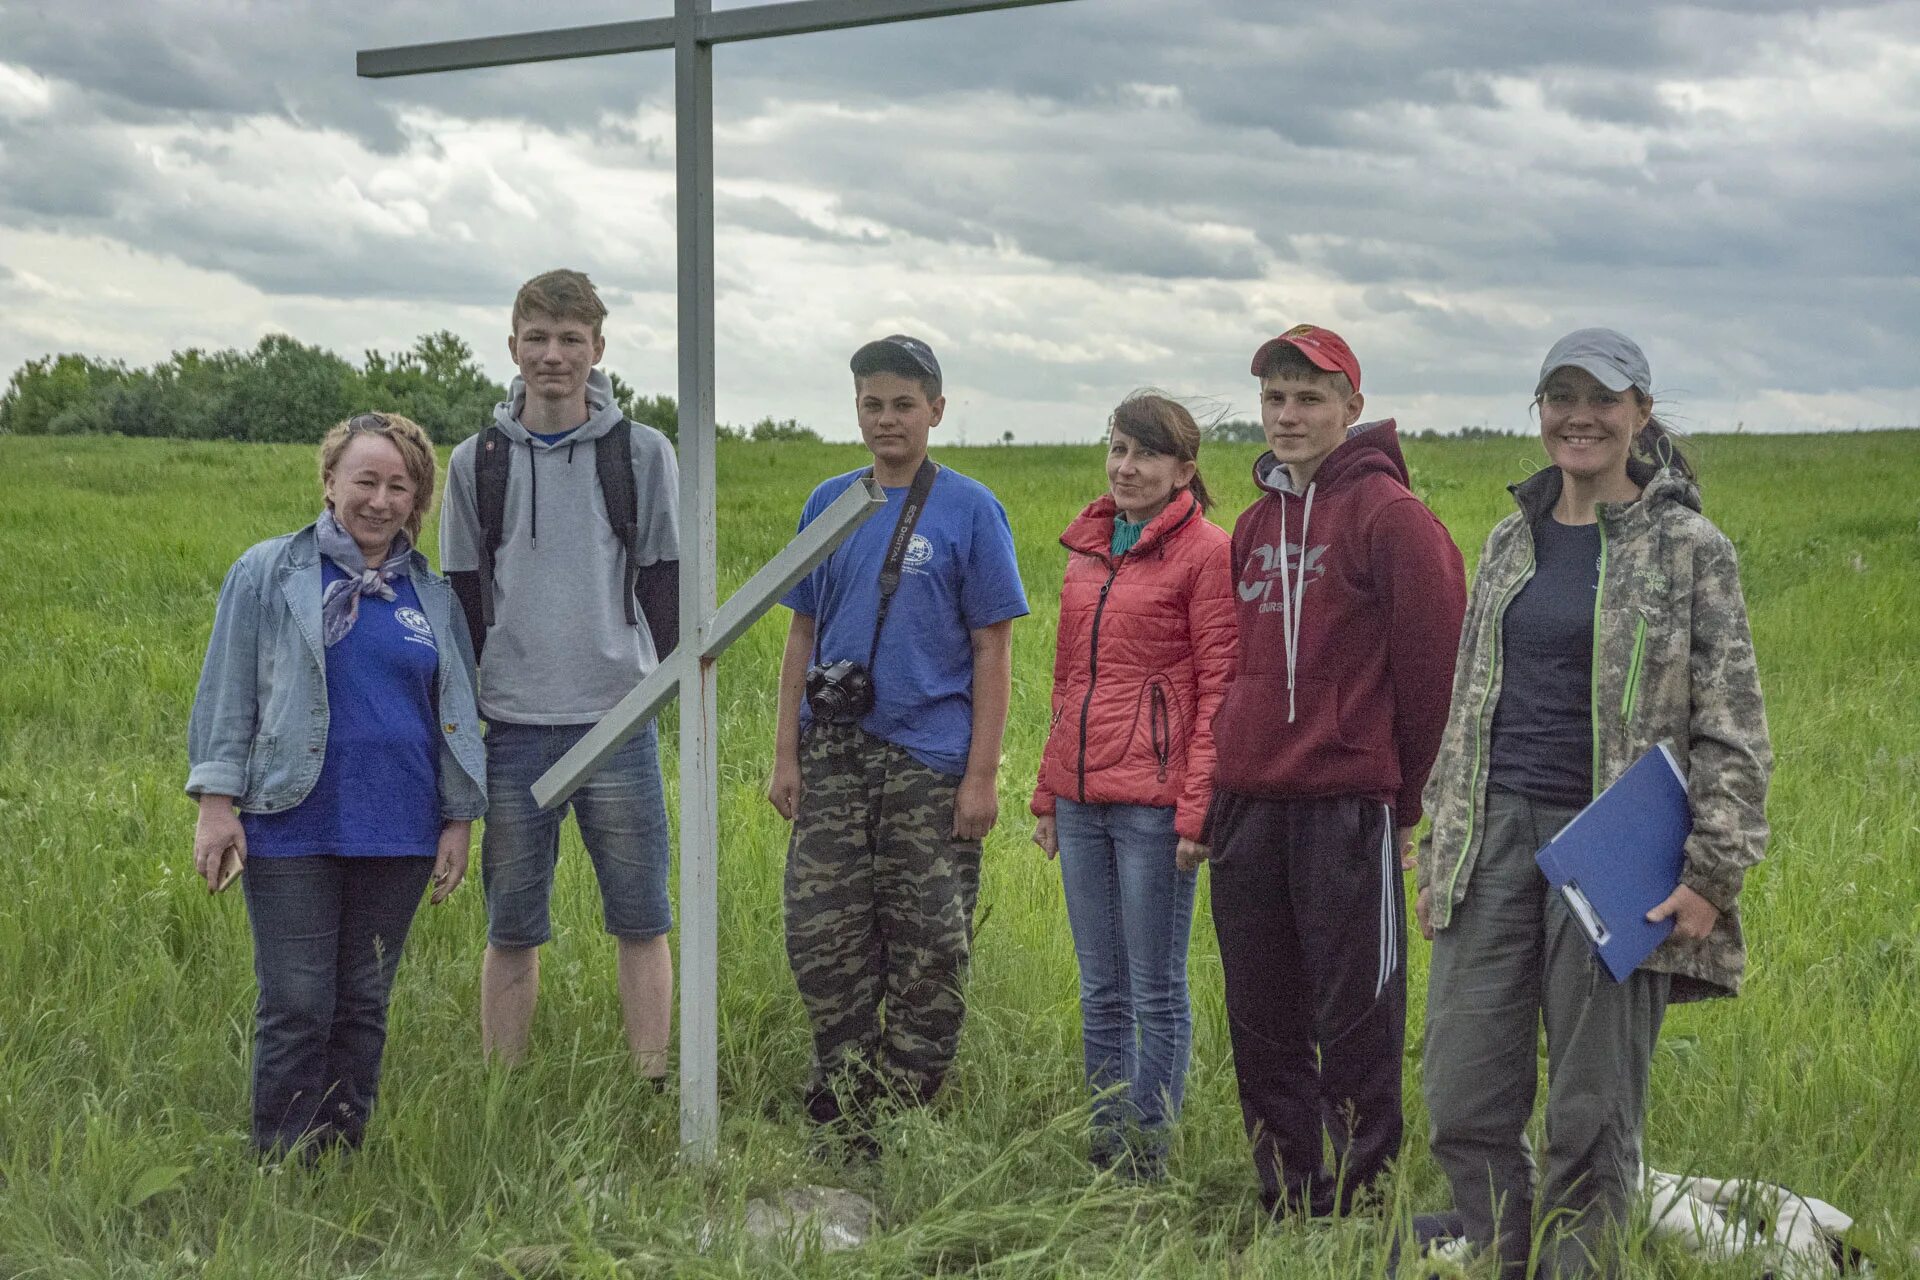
563, 647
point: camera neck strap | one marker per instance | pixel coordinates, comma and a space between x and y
891, 568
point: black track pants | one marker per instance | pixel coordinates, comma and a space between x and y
1308, 905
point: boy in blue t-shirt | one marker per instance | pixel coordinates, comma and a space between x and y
890, 792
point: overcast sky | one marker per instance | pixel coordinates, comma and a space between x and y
1067, 201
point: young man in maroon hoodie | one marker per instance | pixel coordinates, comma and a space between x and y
1350, 602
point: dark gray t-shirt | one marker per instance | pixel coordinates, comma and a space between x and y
1543, 724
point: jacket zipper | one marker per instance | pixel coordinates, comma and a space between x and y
1633, 669
1093, 672
1480, 714
1593, 666
1160, 728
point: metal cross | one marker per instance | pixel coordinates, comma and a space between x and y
691, 33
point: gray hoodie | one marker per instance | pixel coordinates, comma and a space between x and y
561, 650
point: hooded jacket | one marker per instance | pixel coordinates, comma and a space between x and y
1350, 597
1672, 662
561, 650
1142, 659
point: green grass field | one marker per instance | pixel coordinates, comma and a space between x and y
126, 992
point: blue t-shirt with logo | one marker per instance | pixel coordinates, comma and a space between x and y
378, 794
959, 575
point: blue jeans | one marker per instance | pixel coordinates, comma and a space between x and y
1131, 910
327, 934
622, 811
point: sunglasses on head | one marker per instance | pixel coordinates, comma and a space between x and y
368, 422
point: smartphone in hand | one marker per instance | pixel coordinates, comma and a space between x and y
231, 864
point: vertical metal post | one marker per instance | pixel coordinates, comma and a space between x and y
699, 556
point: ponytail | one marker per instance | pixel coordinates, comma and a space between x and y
1198, 488
1656, 447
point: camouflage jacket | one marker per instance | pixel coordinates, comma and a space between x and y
1672, 661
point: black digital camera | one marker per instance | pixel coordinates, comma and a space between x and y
839, 692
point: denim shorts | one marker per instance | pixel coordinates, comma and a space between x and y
622, 812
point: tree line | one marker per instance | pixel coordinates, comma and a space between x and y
1248, 431
287, 391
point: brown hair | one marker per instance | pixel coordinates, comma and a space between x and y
416, 454
1656, 445
1164, 425
564, 295
1289, 362
900, 364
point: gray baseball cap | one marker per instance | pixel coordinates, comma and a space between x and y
1609, 355
896, 353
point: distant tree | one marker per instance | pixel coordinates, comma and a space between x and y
437, 383
1006, 437
1237, 431
661, 412
284, 391
1465, 433
55, 395
183, 395
787, 429
144, 403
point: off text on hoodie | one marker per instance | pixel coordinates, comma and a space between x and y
1350, 597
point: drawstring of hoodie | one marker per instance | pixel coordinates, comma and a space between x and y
1293, 596
533, 478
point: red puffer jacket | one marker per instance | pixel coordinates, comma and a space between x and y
1145, 651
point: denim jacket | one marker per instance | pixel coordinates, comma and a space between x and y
259, 726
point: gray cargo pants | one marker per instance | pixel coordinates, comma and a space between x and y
1511, 958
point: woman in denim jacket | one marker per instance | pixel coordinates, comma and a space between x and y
335, 753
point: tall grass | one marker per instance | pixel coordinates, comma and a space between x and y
125, 1009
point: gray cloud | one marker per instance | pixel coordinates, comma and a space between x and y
772, 217
1449, 176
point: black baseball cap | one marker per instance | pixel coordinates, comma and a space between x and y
897, 353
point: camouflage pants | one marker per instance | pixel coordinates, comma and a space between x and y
879, 908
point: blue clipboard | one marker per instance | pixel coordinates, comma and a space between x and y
1621, 857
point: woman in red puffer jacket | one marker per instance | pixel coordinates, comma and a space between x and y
1145, 651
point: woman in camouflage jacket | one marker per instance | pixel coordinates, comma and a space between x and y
1606, 616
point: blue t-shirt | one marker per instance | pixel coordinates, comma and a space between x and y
378, 794
959, 575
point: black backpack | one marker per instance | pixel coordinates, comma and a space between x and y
612, 466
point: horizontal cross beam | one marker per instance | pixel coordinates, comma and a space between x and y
725, 26
760, 592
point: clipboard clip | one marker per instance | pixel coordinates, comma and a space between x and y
1589, 919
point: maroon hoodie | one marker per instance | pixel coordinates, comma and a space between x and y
1345, 662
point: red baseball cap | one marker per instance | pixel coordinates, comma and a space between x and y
1323, 347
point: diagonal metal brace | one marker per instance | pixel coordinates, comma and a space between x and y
742, 609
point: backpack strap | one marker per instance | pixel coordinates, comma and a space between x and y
490, 462
613, 467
